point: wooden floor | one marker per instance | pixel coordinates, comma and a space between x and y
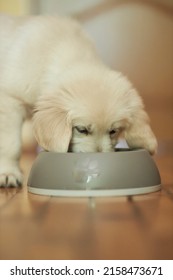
43, 227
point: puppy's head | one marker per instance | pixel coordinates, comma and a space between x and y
89, 113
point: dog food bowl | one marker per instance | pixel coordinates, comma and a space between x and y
125, 172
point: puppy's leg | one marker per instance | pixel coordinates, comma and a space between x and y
11, 119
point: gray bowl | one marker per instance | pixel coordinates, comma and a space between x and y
125, 172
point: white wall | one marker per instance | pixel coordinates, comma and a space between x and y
137, 40
65, 7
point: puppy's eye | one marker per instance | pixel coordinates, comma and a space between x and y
113, 131
82, 130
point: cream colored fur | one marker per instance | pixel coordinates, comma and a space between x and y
50, 69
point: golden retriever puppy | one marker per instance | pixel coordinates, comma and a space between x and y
50, 69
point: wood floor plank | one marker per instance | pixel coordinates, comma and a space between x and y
6, 195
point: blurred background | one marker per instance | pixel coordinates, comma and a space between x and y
132, 36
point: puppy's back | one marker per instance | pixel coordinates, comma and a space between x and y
40, 33
33, 46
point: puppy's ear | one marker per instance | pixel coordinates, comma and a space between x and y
51, 124
139, 135
138, 132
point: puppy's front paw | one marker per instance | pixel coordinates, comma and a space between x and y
10, 175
